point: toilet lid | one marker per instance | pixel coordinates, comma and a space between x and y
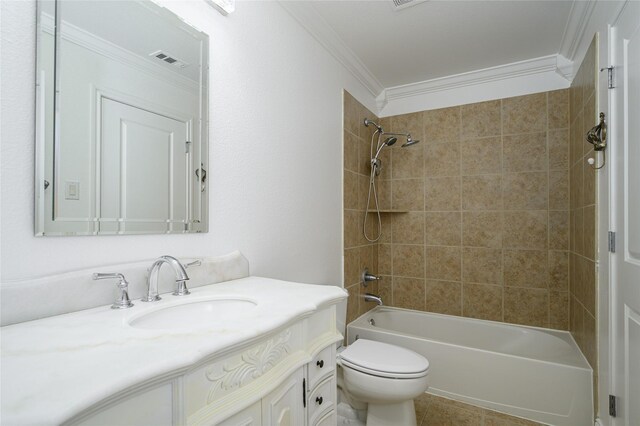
383, 359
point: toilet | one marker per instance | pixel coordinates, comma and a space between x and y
385, 377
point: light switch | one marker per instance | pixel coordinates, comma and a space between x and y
72, 190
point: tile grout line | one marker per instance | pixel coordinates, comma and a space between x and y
502, 213
462, 293
548, 216
424, 218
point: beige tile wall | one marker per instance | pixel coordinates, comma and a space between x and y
583, 282
358, 252
500, 210
486, 228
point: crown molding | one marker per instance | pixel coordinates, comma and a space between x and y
545, 64
564, 67
314, 24
100, 46
536, 68
579, 17
382, 101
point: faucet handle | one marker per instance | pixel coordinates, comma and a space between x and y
194, 263
182, 289
122, 302
366, 277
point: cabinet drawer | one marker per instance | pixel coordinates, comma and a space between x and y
322, 365
321, 399
328, 419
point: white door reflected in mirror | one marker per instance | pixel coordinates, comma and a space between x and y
143, 157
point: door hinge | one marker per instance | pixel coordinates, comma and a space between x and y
609, 76
187, 148
304, 393
612, 242
612, 405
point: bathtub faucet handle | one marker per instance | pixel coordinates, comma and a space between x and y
366, 277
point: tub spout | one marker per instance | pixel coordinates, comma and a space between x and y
368, 297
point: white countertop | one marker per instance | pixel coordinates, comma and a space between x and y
56, 367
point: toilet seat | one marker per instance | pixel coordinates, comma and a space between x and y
384, 360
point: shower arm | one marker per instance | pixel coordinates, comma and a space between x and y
383, 133
406, 135
379, 131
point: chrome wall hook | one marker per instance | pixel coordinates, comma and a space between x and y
597, 137
202, 179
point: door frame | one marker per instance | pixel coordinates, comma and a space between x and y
605, 223
607, 212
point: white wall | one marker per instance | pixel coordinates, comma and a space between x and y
276, 151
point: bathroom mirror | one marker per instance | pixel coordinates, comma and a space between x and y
121, 120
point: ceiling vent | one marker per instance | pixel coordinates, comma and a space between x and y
168, 58
403, 4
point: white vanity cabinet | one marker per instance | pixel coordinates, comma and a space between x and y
283, 378
321, 387
150, 407
282, 407
250, 416
270, 363
285, 406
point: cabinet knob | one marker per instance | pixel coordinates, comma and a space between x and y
320, 363
319, 400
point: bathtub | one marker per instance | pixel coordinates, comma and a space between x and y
529, 372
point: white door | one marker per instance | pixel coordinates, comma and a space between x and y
625, 146
284, 406
142, 157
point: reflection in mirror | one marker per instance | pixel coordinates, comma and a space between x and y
121, 134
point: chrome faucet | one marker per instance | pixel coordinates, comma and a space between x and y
152, 279
368, 297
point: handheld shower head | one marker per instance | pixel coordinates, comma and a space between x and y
387, 142
390, 141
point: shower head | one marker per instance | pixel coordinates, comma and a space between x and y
387, 142
390, 141
409, 142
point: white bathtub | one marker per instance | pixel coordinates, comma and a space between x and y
528, 372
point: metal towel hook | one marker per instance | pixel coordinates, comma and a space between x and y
597, 137
202, 179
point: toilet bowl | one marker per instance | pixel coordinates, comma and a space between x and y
385, 377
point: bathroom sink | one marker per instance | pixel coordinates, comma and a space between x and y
196, 314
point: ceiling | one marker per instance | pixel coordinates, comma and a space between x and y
141, 28
442, 38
